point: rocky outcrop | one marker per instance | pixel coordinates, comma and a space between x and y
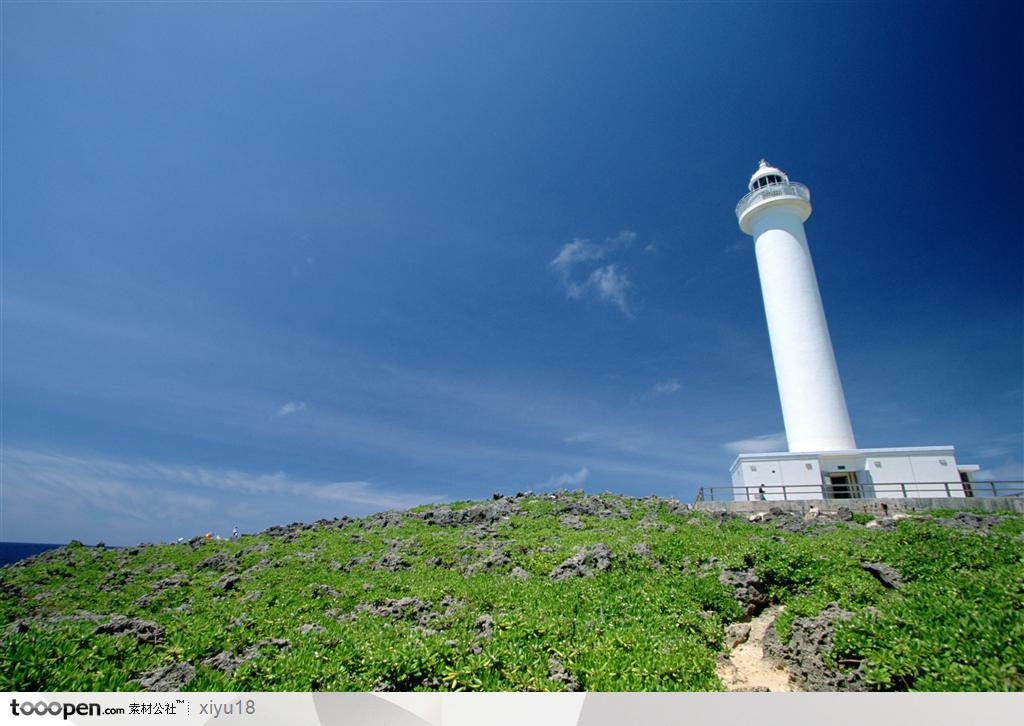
488, 513
885, 574
558, 673
805, 653
585, 563
749, 590
225, 583
144, 631
227, 662
168, 678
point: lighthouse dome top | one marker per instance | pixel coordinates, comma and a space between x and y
766, 174
770, 188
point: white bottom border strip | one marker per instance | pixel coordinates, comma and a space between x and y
512, 709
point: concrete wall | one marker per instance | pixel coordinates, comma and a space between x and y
772, 473
871, 506
921, 473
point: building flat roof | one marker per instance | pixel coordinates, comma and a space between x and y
904, 450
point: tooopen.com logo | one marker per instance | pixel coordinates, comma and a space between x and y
56, 708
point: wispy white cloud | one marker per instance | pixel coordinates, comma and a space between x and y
607, 282
568, 479
575, 252
757, 444
290, 408
737, 245
1000, 446
668, 386
622, 239
1012, 471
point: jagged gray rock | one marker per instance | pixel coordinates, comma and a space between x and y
487, 513
494, 560
970, 522
144, 631
748, 589
321, 590
168, 678
227, 662
225, 583
165, 584
391, 561
419, 611
570, 521
804, 653
557, 672
383, 520
591, 506
584, 563
484, 627
219, 561
885, 574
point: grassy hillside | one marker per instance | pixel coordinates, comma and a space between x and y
547, 592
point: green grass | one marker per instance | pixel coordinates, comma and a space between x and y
957, 624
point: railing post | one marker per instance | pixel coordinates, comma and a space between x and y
784, 495
946, 484
993, 485
903, 488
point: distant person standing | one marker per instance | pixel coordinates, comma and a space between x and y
760, 493
234, 534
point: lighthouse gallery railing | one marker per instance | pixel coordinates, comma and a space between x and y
778, 189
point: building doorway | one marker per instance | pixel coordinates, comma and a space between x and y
843, 485
965, 482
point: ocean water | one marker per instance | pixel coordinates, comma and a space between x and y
14, 551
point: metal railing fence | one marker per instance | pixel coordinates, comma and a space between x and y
868, 490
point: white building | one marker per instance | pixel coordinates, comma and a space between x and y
823, 459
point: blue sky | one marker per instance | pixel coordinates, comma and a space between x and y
276, 262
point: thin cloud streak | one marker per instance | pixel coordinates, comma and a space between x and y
665, 387
758, 444
131, 487
290, 408
577, 478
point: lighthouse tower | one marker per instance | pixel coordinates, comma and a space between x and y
813, 405
823, 460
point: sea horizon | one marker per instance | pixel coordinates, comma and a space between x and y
11, 552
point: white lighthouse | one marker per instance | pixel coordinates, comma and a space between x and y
813, 405
823, 459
